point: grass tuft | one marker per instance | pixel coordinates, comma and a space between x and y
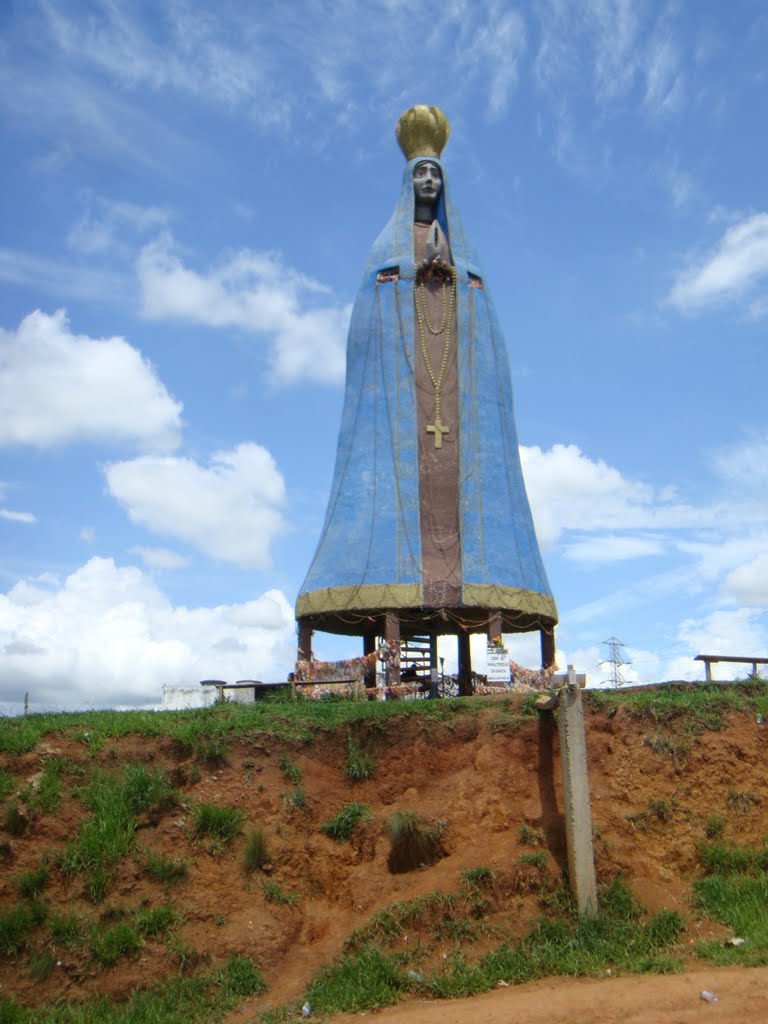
291, 771
274, 894
114, 943
241, 977
530, 836
30, 883
256, 850
477, 876
220, 824
714, 826
343, 824
165, 870
359, 765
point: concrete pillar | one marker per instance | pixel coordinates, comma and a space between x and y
578, 817
465, 665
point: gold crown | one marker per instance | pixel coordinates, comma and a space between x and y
422, 131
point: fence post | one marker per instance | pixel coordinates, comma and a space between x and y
578, 817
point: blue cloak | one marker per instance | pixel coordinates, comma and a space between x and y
368, 559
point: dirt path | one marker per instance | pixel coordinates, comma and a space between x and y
638, 999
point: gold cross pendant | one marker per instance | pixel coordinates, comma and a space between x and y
438, 430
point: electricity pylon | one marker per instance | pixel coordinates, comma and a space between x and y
615, 661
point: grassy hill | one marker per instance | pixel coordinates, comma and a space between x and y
239, 860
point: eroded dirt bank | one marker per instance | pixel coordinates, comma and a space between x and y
479, 769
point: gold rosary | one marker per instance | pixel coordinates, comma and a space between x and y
437, 428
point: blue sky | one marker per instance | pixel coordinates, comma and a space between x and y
189, 192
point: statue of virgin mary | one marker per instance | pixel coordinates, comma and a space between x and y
428, 518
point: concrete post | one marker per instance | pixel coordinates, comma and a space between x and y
578, 818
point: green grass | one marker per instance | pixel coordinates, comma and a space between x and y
240, 977
359, 765
356, 982
165, 870
30, 883
530, 836
722, 858
735, 892
290, 721
273, 893
15, 926
477, 876
538, 860
256, 850
146, 789
6, 784
41, 965
152, 921
290, 770
115, 943
217, 823
343, 824
687, 708
44, 795
297, 798
194, 1000
66, 929
714, 826
103, 838
369, 975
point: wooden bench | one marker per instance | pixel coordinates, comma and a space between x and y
710, 659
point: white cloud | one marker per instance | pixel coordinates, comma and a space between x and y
229, 510
160, 558
66, 280
748, 583
17, 517
738, 632
56, 387
104, 220
612, 46
611, 548
108, 636
746, 463
570, 491
739, 262
257, 293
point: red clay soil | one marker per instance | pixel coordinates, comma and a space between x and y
482, 774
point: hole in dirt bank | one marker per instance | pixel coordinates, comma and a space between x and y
415, 844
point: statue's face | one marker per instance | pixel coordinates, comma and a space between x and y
427, 181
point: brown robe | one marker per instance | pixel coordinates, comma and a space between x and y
438, 467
